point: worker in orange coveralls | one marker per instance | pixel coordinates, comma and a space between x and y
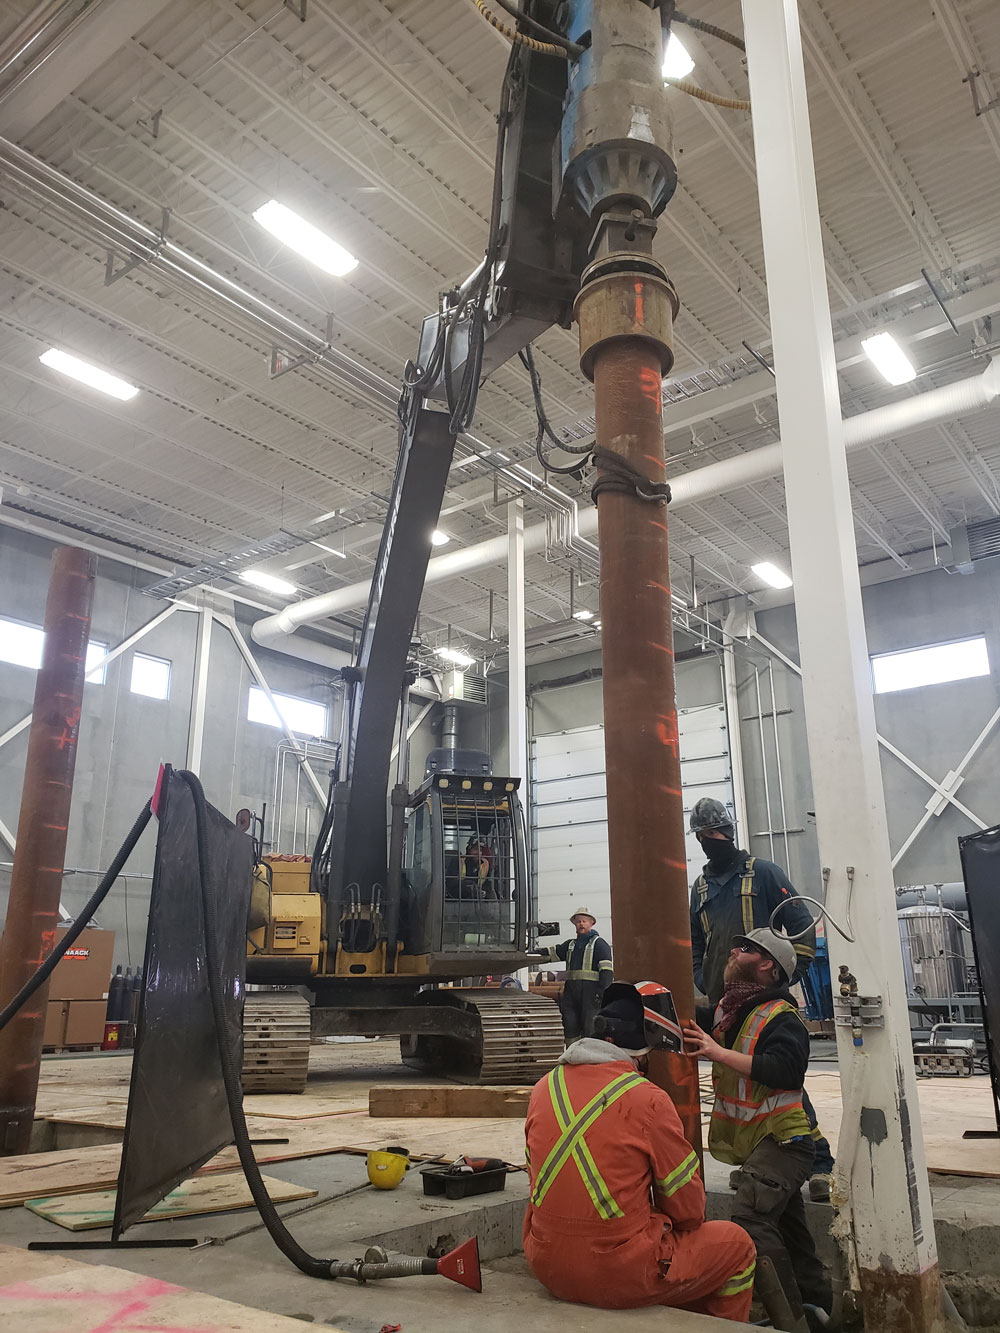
616, 1216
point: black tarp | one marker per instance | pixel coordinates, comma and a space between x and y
177, 1113
981, 869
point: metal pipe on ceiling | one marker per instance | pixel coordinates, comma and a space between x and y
867, 428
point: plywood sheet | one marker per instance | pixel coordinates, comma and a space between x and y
42, 1292
217, 1193
411, 1101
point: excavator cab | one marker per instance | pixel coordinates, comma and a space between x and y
465, 873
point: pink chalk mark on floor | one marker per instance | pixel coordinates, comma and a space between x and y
138, 1300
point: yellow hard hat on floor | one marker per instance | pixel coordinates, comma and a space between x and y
387, 1167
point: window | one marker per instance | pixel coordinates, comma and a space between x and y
21, 645
95, 651
930, 666
150, 676
302, 715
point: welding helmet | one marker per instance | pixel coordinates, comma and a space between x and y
387, 1167
639, 1018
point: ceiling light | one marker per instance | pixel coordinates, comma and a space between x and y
771, 574
596, 625
342, 555
455, 655
269, 582
439, 538
88, 374
889, 358
677, 64
307, 240
583, 615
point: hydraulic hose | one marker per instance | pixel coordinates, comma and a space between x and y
277, 1230
45, 970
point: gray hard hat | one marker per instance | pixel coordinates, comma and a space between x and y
778, 947
709, 813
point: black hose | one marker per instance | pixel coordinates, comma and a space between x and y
277, 1230
45, 970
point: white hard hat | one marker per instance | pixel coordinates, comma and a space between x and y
778, 947
583, 911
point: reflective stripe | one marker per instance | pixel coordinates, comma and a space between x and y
586, 971
748, 1113
606, 965
701, 887
600, 1195
680, 1176
746, 896
574, 1130
738, 1282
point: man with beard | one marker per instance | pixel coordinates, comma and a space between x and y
760, 1052
738, 892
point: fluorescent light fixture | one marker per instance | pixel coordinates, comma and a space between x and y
677, 64
888, 358
771, 574
676, 597
439, 538
305, 239
583, 615
269, 582
935, 665
342, 555
455, 655
88, 374
596, 625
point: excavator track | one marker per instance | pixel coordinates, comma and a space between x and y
520, 1038
275, 1042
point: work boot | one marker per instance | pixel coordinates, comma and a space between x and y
819, 1188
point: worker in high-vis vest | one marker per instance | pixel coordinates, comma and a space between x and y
738, 892
616, 1213
589, 972
759, 1048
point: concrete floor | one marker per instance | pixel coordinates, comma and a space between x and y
250, 1270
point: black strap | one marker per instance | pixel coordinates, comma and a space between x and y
620, 476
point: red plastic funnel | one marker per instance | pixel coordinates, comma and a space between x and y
462, 1265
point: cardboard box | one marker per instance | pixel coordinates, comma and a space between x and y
85, 971
85, 1022
56, 1013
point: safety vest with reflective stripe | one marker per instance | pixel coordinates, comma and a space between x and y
572, 1145
746, 1112
746, 900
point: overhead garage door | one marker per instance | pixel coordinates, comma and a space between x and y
569, 817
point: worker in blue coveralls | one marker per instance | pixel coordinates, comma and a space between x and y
735, 894
589, 972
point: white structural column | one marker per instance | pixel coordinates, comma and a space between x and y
881, 1170
199, 694
735, 733
517, 705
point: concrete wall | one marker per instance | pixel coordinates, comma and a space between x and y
125, 736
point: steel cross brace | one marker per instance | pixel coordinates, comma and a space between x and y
944, 790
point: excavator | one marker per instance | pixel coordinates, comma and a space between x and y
373, 934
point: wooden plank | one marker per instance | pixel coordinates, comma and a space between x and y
42, 1292
491, 1103
218, 1193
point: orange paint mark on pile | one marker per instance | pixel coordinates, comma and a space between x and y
640, 305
